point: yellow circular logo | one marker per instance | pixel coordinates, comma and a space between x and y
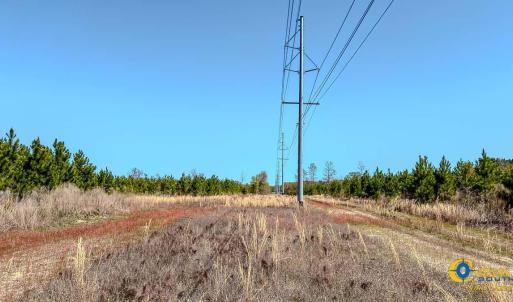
460, 270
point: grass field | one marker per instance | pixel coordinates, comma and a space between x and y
241, 248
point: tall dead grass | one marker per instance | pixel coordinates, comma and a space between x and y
223, 200
476, 214
41, 209
68, 204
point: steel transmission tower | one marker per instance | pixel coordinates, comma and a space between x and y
319, 92
300, 103
300, 197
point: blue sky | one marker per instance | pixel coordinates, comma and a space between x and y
171, 86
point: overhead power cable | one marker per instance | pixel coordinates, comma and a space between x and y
318, 99
327, 55
331, 47
357, 49
348, 42
293, 47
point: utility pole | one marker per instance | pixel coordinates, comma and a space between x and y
300, 103
300, 197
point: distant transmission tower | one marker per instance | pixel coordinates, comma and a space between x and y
282, 160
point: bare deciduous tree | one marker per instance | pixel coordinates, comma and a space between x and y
361, 167
312, 171
136, 173
329, 171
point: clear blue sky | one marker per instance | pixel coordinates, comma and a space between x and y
171, 86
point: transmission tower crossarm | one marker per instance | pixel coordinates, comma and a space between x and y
304, 103
291, 70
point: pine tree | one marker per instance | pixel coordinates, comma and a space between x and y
106, 180
445, 184
231, 186
335, 188
184, 184
3, 164
392, 185
405, 179
366, 184
424, 180
12, 162
214, 185
83, 172
488, 172
377, 186
38, 166
199, 185
168, 185
60, 169
355, 185
466, 176
507, 178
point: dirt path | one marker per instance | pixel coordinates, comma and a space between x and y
429, 248
27, 257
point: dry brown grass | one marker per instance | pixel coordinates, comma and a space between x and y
251, 248
468, 225
69, 205
244, 254
66, 204
223, 200
475, 214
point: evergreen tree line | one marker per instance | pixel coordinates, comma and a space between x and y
25, 168
425, 183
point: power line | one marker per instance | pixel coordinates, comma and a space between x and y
331, 47
286, 51
311, 117
356, 51
327, 55
293, 140
288, 24
332, 69
316, 93
284, 94
347, 63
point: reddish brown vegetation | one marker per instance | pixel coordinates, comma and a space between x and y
17, 240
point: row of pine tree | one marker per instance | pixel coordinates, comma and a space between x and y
25, 168
425, 182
